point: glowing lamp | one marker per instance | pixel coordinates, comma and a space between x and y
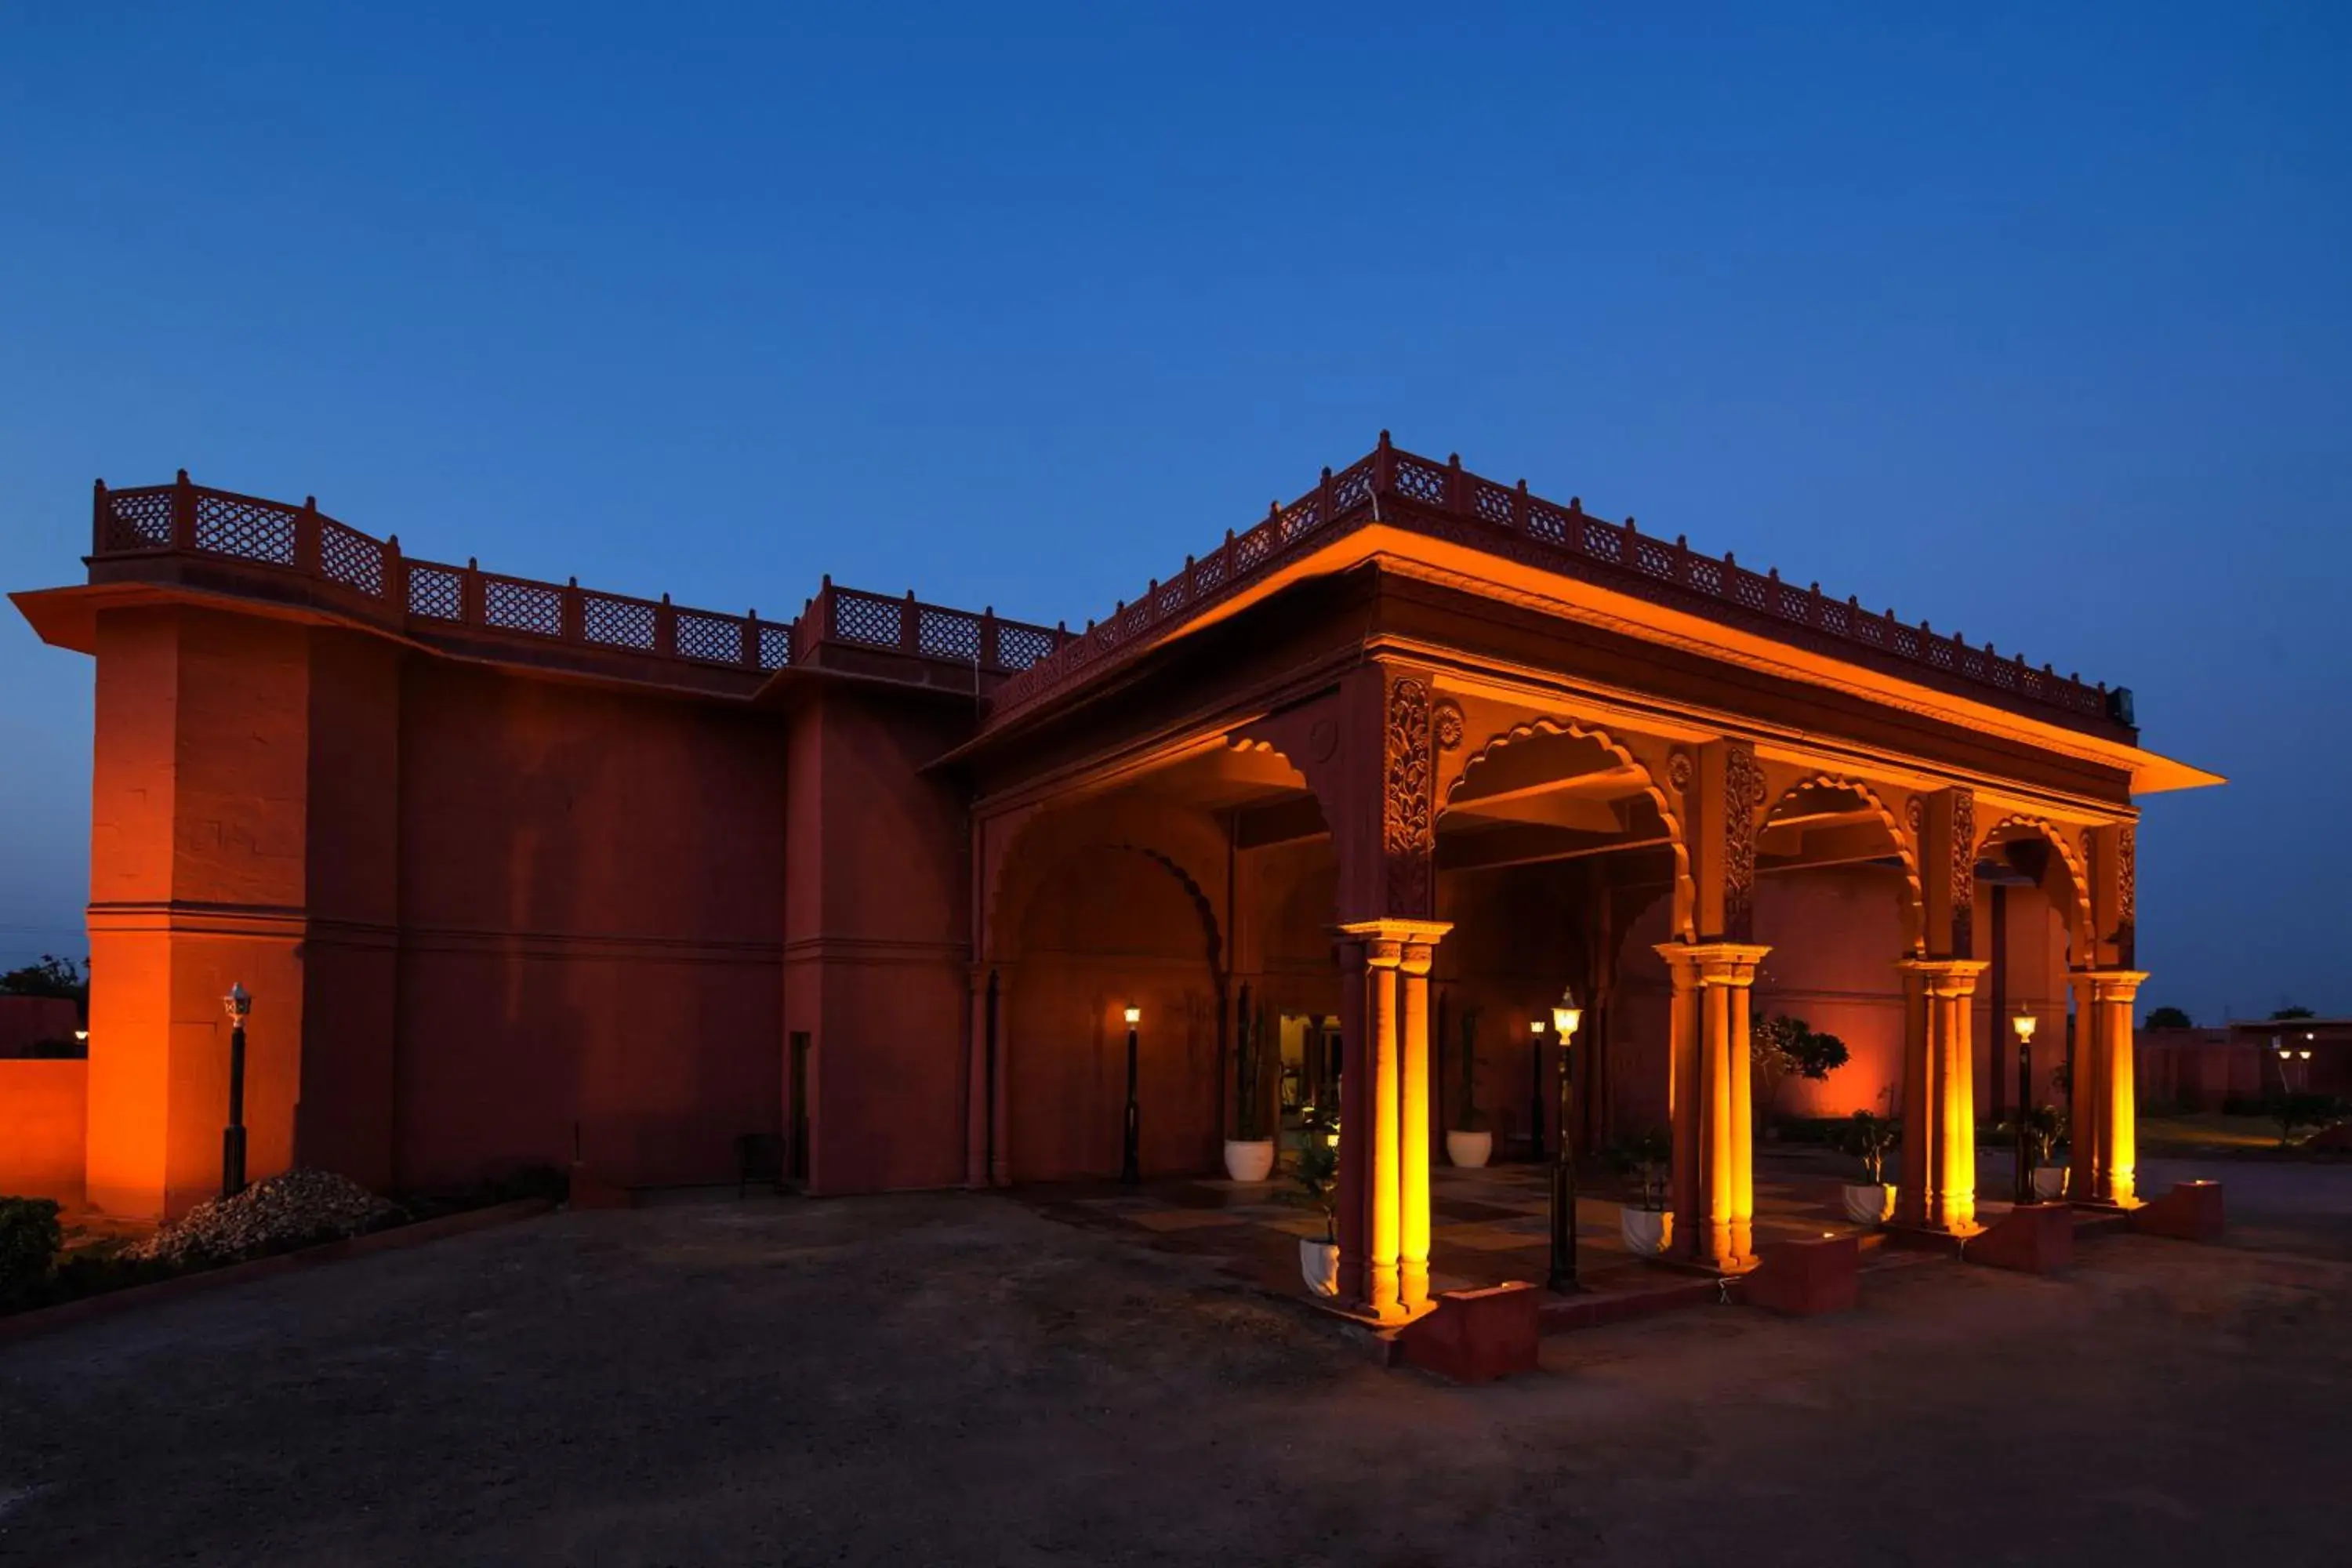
1565, 1014
1135, 1015
1534, 1025
2024, 1024
82, 1035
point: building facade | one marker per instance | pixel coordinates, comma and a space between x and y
523, 873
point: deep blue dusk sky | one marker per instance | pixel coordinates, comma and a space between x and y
2040, 329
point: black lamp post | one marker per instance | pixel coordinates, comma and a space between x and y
2023, 1023
1535, 1089
1130, 1161
239, 1002
1565, 1017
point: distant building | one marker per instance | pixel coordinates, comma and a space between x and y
2246, 1061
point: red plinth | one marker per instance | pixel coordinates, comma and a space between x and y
2191, 1211
1477, 1336
2032, 1238
1803, 1278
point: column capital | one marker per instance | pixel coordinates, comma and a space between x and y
2108, 984
1946, 976
1712, 962
1403, 931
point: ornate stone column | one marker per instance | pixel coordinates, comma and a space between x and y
1383, 1197
1710, 1102
2103, 1162
1939, 1188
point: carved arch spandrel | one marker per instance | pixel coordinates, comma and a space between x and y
2079, 921
1904, 835
1365, 748
1652, 758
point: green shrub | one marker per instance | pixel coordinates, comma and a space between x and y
95, 1270
30, 1238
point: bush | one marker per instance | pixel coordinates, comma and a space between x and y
94, 1270
30, 1238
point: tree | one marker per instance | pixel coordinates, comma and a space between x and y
1781, 1048
2283, 1014
52, 977
2170, 1018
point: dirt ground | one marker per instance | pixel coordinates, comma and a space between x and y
956, 1379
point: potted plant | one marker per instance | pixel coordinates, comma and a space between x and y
2044, 1127
1317, 1173
1870, 1139
1643, 1218
1468, 1143
1249, 1156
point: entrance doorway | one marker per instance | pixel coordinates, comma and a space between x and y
1310, 1071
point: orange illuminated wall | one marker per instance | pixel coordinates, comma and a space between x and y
199, 848
46, 1107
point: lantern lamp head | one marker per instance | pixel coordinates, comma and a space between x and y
1134, 1017
1534, 1025
239, 1002
1565, 1014
2024, 1024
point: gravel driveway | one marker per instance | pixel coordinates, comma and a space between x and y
956, 1379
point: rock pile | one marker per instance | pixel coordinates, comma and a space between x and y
297, 1208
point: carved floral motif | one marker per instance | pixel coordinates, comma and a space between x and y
1964, 872
1678, 771
2127, 894
1447, 717
1743, 797
1407, 833
2128, 872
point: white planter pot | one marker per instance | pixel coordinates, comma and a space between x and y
1646, 1231
1870, 1203
1249, 1159
1318, 1265
1469, 1150
2049, 1183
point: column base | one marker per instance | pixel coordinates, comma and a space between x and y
1362, 1313
1933, 1236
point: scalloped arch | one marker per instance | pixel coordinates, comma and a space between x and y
2078, 881
1015, 893
1048, 839
1914, 922
1685, 892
